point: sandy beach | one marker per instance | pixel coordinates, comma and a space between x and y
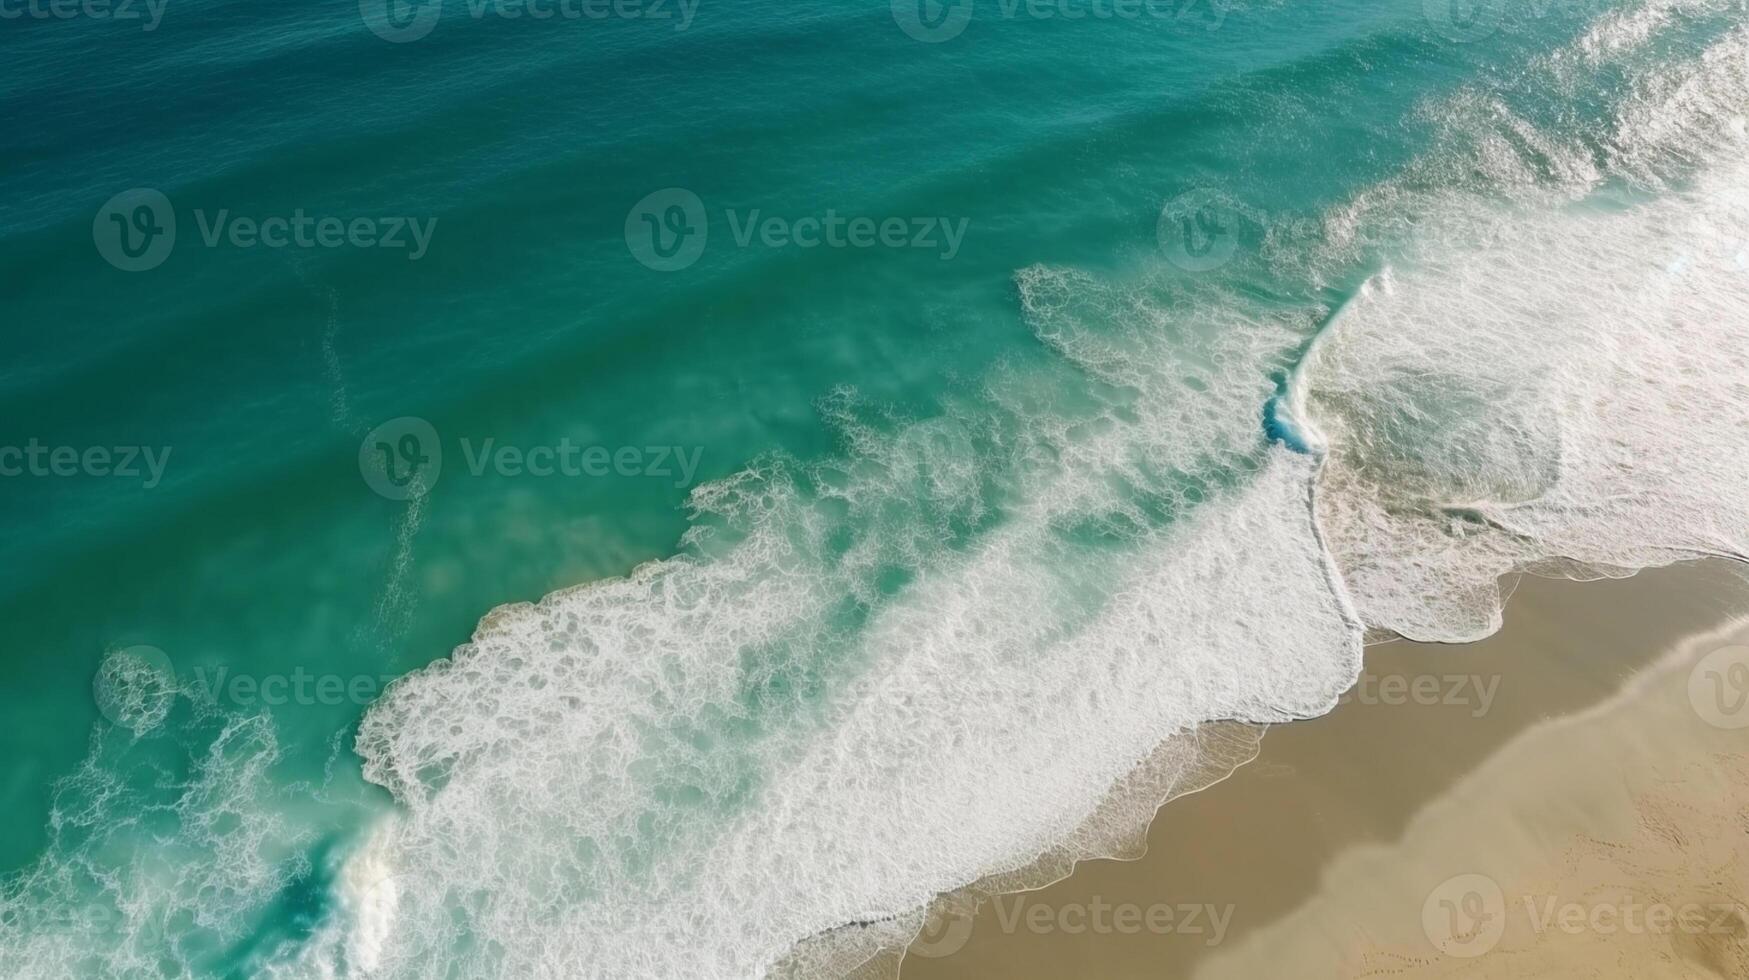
1568, 798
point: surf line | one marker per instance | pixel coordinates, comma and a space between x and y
1287, 421
1285, 417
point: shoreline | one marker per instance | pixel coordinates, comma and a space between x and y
1243, 866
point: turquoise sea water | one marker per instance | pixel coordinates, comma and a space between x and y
955, 364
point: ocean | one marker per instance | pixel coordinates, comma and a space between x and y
668, 488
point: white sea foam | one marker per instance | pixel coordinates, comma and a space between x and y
1552, 377
99, 904
1575, 389
690, 771
994, 711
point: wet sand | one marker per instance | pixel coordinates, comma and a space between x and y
1565, 798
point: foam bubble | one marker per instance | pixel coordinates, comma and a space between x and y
135, 687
